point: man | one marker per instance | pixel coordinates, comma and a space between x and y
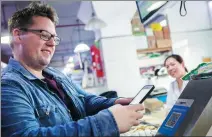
41, 101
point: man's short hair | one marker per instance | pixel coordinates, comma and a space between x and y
23, 18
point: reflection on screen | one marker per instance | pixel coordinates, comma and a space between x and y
140, 95
143, 6
146, 7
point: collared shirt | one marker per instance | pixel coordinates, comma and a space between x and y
29, 108
57, 89
173, 93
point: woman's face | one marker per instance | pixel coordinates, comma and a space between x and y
174, 68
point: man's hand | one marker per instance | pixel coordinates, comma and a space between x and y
127, 116
123, 101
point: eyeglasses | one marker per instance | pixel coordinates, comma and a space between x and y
44, 35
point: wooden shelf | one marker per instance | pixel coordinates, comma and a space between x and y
140, 51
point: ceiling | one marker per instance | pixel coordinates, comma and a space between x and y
116, 14
67, 28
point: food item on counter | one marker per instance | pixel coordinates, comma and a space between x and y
142, 130
153, 104
143, 127
149, 124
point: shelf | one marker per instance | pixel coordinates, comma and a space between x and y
153, 50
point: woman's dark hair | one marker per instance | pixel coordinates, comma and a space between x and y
178, 58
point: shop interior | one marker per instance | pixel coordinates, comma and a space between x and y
118, 47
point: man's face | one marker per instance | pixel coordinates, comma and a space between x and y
34, 51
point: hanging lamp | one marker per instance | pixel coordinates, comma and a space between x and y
81, 47
95, 23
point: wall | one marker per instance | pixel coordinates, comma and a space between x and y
197, 17
121, 65
117, 15
191, 35
198, 45
210, 10
119, 47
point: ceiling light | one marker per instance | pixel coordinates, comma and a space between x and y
82, 47
156, 5
94, 23
5, 40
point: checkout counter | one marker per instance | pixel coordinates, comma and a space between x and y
190, 116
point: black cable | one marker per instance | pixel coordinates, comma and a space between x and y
182, 3
78, 30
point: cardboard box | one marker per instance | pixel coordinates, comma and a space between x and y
158, 35
153, 104
137, 26
151, 42
166, 32
164, 43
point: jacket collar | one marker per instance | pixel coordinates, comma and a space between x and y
20, 68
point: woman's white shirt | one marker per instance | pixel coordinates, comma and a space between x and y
174, 93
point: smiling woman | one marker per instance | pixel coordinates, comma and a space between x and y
176, 69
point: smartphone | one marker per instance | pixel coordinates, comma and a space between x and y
142, 94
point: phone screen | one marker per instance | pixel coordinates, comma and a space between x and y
143, 93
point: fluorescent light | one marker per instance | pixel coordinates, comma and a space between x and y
5, 40
163, 23
156, 5
82, 47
